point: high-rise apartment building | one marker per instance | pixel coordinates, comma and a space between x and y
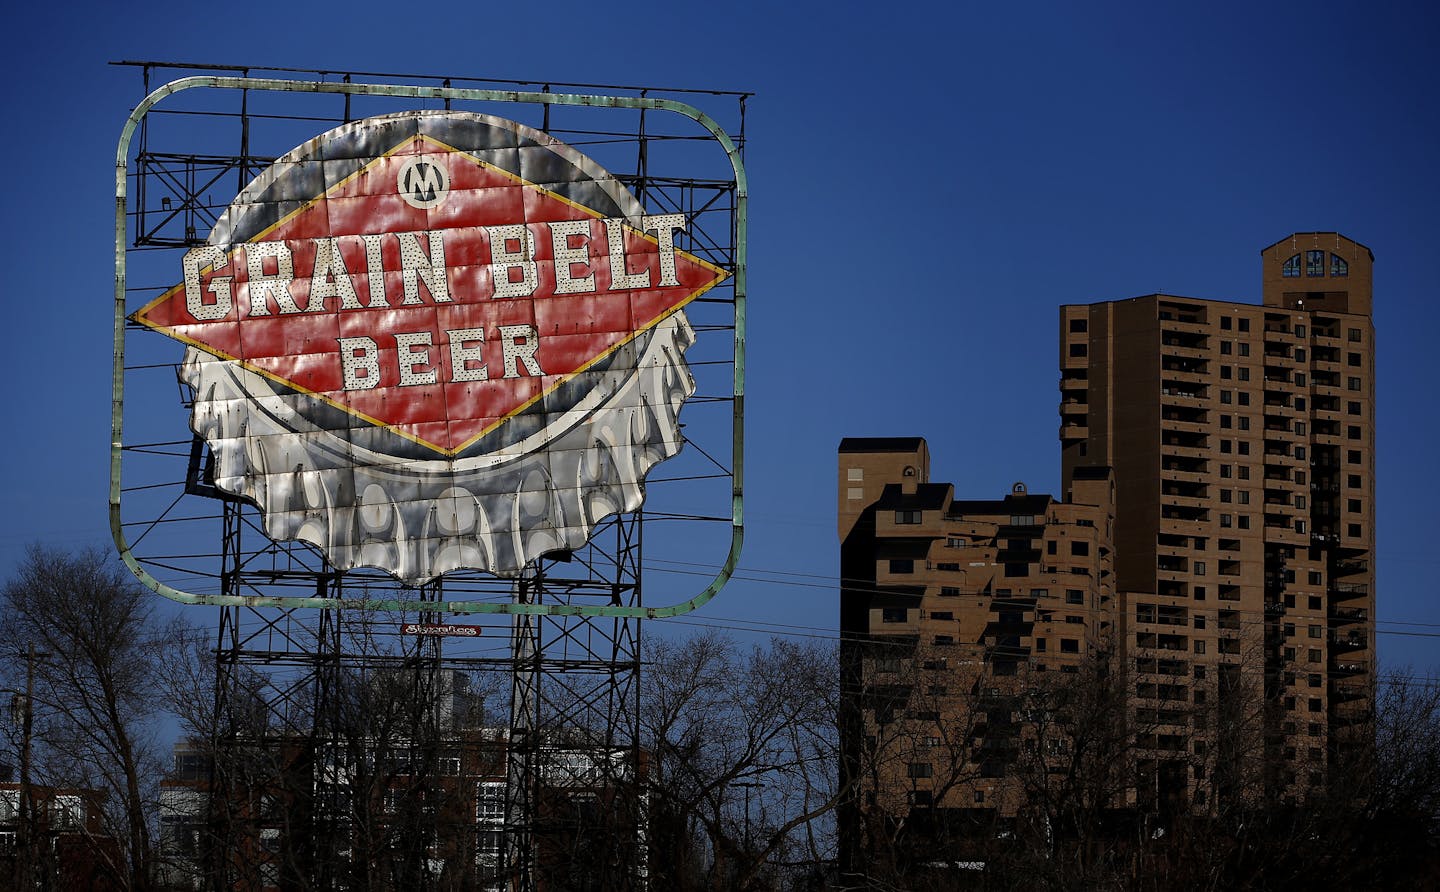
1242, 442
1211, 561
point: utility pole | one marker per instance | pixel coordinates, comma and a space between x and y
26, 829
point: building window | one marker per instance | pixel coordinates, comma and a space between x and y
1243, 422
1243, 374
954, 542
1200, 647
1243, 521
855, 474
1300, 452
1352, 383
1074, 596
1080, 549
1299, 354
1225, 323
1352, 407
1352, 457
1352, 359
1353, 531
1226, 397
921, 769
1226, 446
1199, 568
1040, 645
1243, 447
893, 614
907, 517
1226, 372
1080, 349
1299, 379
1069, 645
1244, 324
1244, 349
1244, 472
1199, 591
1022, 520
1244, 398
1355, 335
1226, 348
1226, 521
1224, 470
1013, 570
1079, 326
1225, 421
942, 614
1352, 432
1315, 264
1226, 495
1316, 705
1291, 269
1339, 266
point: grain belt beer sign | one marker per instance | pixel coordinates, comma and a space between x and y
436, 340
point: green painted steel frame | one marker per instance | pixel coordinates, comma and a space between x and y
418, 92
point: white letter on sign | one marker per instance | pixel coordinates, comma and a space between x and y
330, 278
566, 257
212, 256
264, 285
519, 342
411, 359
357, 356
620, 280
664, 227
430, 270
462, 357
502, 260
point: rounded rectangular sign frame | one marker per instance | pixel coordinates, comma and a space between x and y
442, 93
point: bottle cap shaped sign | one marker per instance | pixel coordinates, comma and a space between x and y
436, 340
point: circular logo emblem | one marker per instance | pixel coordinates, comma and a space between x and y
456, 343
423, 183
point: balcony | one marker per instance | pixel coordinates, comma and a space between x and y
1349, 590
1342, 641
1341, 692
1349, 614
1348, 668
1180, 394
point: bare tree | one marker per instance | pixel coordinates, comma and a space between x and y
743, 751
96, 691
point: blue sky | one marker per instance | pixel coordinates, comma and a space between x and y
994, 161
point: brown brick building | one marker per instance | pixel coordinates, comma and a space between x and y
1212, 551
950, 610
1242, 439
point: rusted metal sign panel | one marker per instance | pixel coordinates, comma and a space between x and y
436, 340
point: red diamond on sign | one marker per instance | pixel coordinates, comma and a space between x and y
432, 293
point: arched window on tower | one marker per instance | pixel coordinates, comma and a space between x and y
1315, 264
1292, 268
1339, 266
